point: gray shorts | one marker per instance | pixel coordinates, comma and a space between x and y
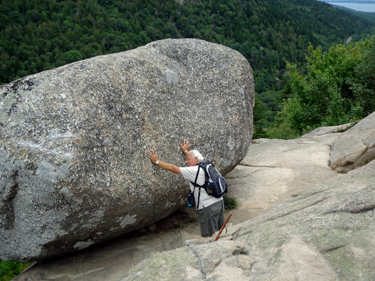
211, 218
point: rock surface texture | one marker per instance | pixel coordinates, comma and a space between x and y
277, 169
325, 232
272, 170
356, 147
73, 153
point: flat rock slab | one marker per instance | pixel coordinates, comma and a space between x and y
325, 233
328, 130
74, 169
276, 169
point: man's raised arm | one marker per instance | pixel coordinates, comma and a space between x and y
166, 166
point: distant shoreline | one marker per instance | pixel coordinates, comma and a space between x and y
355, 5
348, 1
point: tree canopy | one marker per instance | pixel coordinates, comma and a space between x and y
338, 87
37, 35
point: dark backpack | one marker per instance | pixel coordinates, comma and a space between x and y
215, 184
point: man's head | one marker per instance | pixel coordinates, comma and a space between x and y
193, 158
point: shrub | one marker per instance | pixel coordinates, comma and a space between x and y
229, 203
10, 269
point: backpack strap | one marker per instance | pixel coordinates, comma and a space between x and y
197, 185
196, 178
207, 177
203, 165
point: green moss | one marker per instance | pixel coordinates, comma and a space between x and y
10, 269
229, 203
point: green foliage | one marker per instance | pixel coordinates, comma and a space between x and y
282, 129
229, 203
363, 81
264, 112
10, 269
259, 119
72, 56
338, 88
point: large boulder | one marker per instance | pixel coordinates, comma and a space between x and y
73, 153
355, 147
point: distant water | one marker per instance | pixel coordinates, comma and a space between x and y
355, 6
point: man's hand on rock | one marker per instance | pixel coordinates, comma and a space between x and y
185, 146
153, 156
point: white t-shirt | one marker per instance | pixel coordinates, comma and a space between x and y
189, 173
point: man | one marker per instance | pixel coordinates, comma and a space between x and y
210, 209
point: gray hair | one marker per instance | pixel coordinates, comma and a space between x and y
197, 154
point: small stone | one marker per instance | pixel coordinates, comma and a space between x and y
151, 227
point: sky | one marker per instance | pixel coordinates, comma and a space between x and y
357, 5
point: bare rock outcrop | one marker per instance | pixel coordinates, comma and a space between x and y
274, 169
324, 233
73, 150
355, 147
328, 130
297, 219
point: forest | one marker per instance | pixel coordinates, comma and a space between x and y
367, 15
337, 87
